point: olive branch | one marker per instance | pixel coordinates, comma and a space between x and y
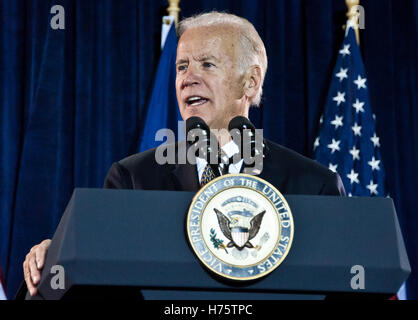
217, 243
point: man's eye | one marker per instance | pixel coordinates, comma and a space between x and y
181, 68
208, 65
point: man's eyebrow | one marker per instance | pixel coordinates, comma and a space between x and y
181, 61
200, 59
207, 57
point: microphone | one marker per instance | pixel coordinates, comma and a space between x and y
203, 141
240, 123
196, 123
196, 126
243, 131
243, 126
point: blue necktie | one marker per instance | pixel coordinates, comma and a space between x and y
207, 175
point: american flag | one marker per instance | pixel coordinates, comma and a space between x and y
347, 141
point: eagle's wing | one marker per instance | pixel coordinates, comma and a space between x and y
224, 224
255, 224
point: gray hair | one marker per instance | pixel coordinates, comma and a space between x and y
253, 50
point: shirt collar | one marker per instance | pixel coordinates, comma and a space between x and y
229, 149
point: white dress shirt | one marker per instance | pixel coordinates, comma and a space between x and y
230, 149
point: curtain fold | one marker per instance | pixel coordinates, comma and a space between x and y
11, 116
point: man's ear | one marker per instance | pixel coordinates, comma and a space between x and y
252, 81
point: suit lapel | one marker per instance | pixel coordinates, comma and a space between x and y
185, 175
272, 172
267, 164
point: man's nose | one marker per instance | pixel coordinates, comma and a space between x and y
192, 77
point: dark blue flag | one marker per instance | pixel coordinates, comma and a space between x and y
163, 111
347, 141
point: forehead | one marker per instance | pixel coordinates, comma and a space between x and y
205, 41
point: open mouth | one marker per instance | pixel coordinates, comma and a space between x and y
196, 101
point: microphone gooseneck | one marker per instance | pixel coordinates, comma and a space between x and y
203, 140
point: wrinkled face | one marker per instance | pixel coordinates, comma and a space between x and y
208, 82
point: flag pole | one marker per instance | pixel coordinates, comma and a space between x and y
174, 10
353, 15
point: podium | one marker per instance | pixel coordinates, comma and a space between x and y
129, 244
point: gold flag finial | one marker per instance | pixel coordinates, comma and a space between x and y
353, 16
174, 10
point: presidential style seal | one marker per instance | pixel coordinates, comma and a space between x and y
240, 227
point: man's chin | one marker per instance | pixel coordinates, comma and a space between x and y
197, 113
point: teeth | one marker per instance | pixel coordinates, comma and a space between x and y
192, 99
196, 100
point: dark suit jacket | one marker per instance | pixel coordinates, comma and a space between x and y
288, 171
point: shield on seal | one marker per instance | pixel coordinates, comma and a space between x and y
239, 236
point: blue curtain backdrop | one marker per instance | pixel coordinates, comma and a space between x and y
73, 101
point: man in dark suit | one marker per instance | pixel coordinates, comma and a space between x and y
288, 171
221, 64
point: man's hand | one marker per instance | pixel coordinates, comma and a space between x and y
33, 264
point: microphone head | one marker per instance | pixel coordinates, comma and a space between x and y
249, 142
196, 123
198, 135
240, 123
